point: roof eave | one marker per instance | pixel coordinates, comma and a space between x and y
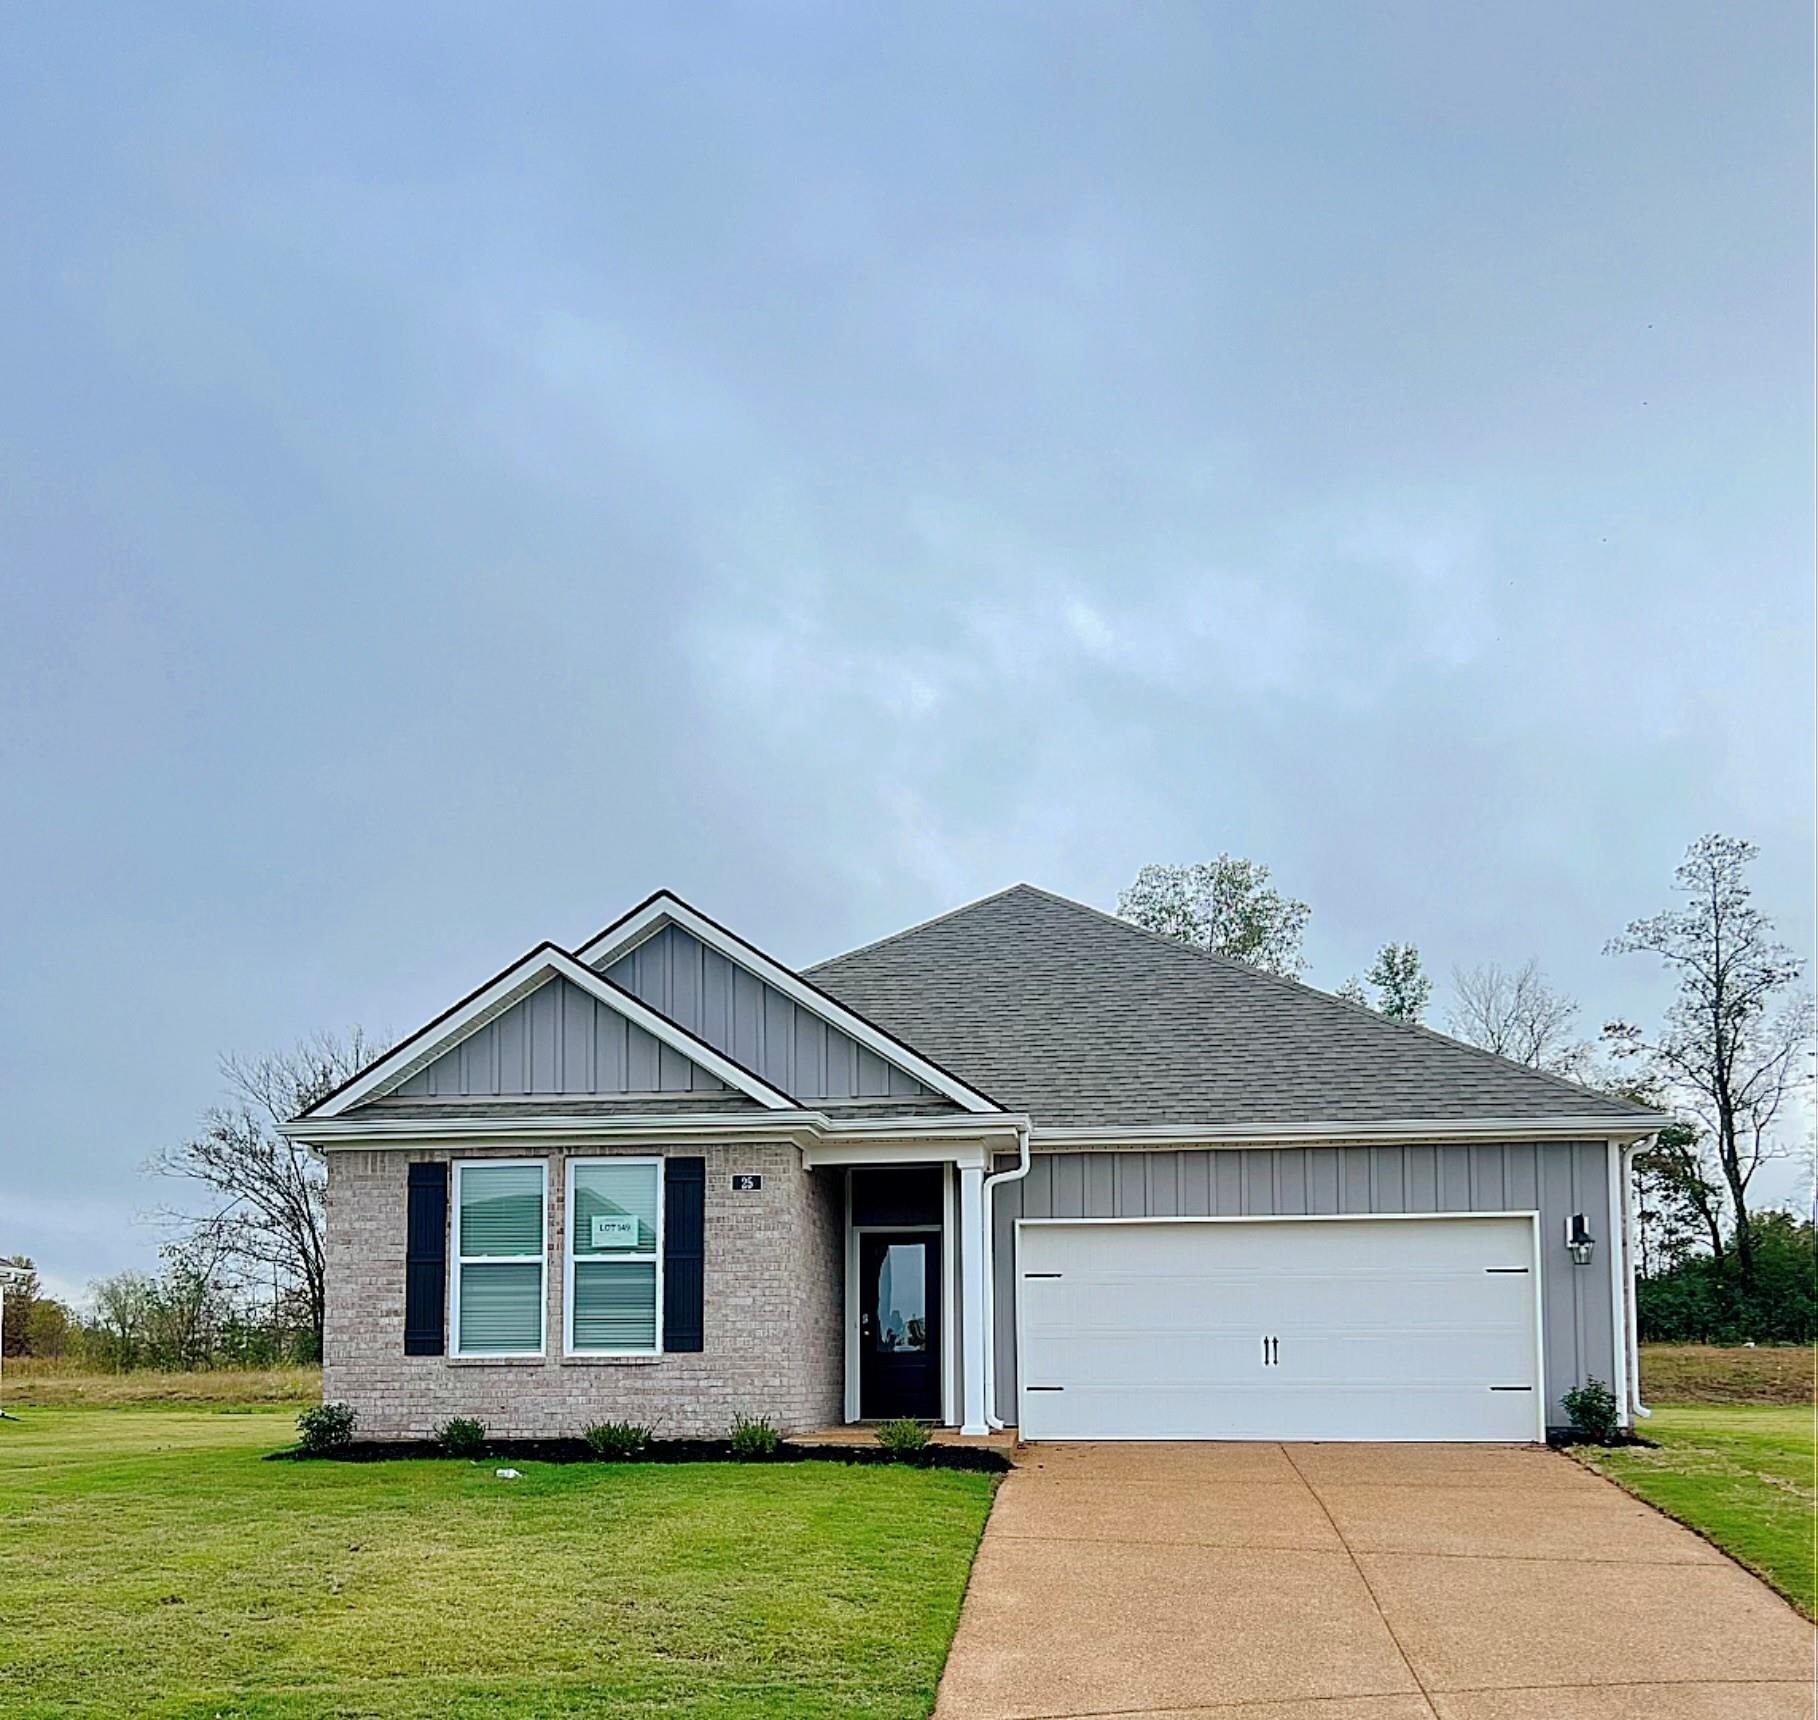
1418, 1131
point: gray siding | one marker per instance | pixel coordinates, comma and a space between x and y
1557, 1178
754, 1024
558, 1040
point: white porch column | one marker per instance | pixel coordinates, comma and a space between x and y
973, 1336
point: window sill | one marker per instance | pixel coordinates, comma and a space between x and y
496, 1361
643, 1361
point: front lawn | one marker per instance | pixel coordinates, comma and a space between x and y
1742, 1477
151, 1564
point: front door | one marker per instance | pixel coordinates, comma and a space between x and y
899, 1324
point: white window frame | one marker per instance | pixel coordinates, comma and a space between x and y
462, 1260
571, 1254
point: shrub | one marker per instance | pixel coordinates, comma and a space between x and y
903, 1438
326, 1426
461, 1436
1593, 1409
754, 1437
617, 1440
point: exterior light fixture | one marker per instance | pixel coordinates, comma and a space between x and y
1580, 1243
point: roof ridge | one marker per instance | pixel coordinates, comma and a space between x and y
1289, 983
919, 926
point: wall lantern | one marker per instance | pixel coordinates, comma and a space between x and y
1580, 1244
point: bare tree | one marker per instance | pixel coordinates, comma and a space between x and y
1736, 1041
1226, 906
263, 1219
1516, 1014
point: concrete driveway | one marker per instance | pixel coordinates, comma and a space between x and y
1356, 1582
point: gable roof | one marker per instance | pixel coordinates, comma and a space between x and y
1087, 1021
608, 948
509, 987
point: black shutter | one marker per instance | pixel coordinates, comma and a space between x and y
684, 1252
425, 1260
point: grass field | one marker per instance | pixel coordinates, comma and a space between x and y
151, 1564
1707, 1373
1741, 1476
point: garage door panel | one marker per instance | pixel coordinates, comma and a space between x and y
1377, 1329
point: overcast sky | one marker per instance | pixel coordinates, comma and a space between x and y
463, 470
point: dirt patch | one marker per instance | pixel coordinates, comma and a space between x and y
1723, 1373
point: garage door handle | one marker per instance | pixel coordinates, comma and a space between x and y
1271, 1352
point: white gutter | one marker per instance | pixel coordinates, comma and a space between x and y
1629, 1306
1421, 1131
989, 1250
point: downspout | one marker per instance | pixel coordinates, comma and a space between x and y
1628, 1250
1021, 1170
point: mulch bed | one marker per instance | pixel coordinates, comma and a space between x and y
1560, 1438
980, 1459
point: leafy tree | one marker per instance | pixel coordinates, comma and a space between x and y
1735, 1045
48, 1325
1402, 989
263, 1222
20, 1300
1700, 1300
1226, 906
1516, 1014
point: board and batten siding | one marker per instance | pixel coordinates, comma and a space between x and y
1555, 1178
755, 1024
558, 1040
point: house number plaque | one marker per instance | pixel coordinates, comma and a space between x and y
746, 1183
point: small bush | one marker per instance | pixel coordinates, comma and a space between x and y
903, 1438
1594, 1410
754, 1437
461, 1436
326, 1426
617, 1440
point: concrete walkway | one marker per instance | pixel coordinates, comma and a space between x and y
1356, 1582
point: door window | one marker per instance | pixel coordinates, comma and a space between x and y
902, 1299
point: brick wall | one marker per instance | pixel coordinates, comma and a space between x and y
774, 1275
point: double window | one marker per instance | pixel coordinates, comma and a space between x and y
613, 1298
615, 1255
501, 1251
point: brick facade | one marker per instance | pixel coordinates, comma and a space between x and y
774, 1267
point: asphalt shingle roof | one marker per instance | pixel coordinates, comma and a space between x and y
1084, 1020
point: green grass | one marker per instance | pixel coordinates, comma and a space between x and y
151, 1564
1741, 1476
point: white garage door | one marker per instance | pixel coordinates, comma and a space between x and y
1415, 1328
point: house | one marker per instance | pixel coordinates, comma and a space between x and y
1021, 1164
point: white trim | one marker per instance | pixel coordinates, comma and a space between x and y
850, 1393
821, 1154
851, 1406
455, 1352
1631, 1308
519, 981
1619, 1367
665, 909
1415, 1131
839, 1140
972, 1299
950, 1251
570, 1254
1531, 1214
